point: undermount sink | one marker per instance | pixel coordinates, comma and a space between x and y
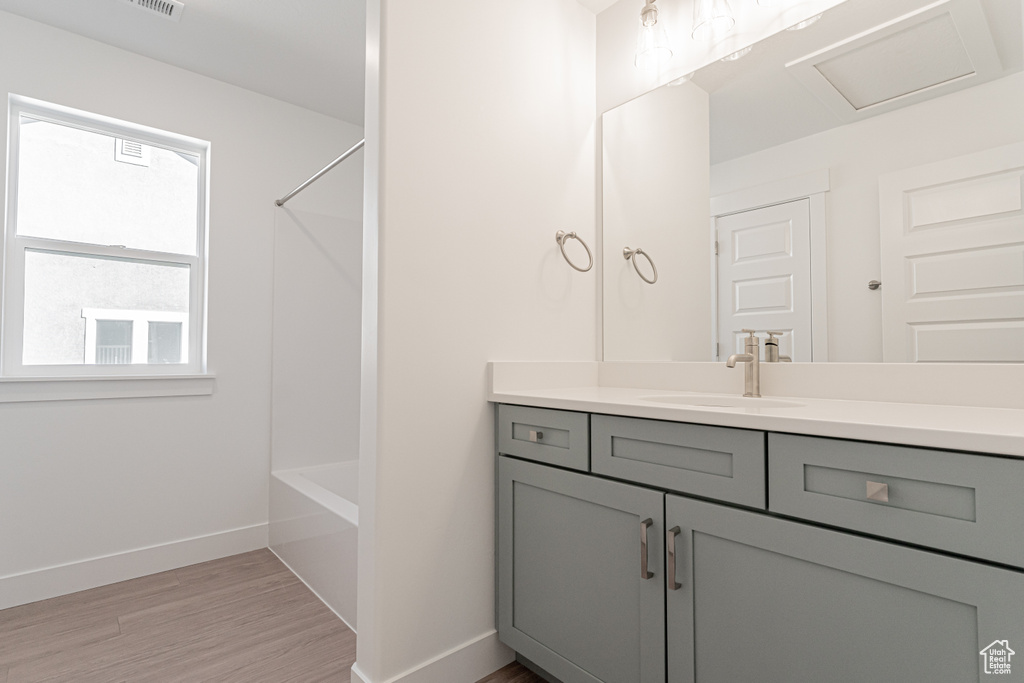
717, 401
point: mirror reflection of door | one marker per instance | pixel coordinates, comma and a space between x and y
764, 277
952, 236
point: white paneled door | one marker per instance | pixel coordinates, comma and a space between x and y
952, 238
764, 277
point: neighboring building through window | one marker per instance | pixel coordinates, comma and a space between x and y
105, 257
120, 337
113, 343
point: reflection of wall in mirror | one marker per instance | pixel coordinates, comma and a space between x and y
972, 120
655, 192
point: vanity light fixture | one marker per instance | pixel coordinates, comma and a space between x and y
805, 23
652, 50
680, 80
711, 18
739, 53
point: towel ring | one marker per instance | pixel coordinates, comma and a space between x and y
630, 255
561, 236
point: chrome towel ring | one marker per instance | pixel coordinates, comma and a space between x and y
561, 236
630, 255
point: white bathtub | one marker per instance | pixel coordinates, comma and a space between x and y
314, 522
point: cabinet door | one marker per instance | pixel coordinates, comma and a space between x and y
571, 597
777, 601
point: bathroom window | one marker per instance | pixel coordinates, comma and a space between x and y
105, 250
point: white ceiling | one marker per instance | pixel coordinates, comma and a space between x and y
598, 6
757, 102
307, 52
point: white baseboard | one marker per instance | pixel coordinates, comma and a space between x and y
357, 675
41, 584
466, 663
313, 590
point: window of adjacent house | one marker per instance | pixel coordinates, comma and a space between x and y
104, 257
113, 342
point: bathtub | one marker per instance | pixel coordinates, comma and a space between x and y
314, 522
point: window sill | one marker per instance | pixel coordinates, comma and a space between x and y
30, 389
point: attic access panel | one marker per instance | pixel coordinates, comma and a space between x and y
941, 48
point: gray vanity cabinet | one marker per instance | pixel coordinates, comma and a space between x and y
872, 562
571, 594
778, 601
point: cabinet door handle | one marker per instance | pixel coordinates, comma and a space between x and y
670, 547
644, 526
878, 491
536, 435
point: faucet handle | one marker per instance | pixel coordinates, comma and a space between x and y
771, 349
752, 344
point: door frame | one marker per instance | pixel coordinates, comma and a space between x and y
811, 186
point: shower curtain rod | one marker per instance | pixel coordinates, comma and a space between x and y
355, 148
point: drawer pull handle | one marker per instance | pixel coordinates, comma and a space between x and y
670, 545
878, 491
644, 526
536, 436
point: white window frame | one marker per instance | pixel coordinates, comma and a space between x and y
12, 304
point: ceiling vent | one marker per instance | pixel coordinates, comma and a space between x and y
943, 47
169, 9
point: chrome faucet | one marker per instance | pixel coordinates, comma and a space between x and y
771, 349
752, 369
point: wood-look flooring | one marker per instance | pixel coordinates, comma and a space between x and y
513, 673
245, 618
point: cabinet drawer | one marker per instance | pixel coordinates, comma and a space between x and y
715, 462
960, 502
556, 437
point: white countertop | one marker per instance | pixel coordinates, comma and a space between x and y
967, 428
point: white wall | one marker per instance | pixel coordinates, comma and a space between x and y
655, 195
317, 284
486, 148
619, 81
85, 479
986, 116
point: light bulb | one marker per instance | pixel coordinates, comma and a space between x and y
743, 52
652, 50
711, 18
805, 23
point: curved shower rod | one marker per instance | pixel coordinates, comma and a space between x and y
355, 148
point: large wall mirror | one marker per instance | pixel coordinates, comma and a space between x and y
863, 179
